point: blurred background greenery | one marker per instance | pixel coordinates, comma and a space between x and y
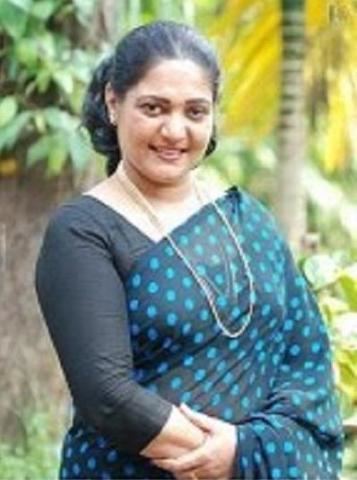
287, 124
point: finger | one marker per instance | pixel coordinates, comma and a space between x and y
189, 461
199, 419
167, 464
177, 466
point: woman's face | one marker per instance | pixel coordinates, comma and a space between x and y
165, 121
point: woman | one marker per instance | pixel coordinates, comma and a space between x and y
191, 346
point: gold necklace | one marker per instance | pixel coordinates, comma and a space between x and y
135, 195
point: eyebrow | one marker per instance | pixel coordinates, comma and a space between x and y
164, 100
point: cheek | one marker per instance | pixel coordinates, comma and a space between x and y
143, 129
138, 132
202, 136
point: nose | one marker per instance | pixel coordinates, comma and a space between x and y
174, 128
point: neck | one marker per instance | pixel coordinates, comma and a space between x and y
158, 193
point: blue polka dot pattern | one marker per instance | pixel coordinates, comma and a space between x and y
272, 382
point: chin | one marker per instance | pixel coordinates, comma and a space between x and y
167, 173
170, 175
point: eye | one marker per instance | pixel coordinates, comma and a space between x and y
151, 109
197, 113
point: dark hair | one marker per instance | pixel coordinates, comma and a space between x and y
138, 51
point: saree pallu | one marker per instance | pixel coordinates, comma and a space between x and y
273, 382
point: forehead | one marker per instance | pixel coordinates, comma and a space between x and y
174, 79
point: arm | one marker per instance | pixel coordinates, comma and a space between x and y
83, 302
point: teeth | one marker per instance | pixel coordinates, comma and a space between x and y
168, 150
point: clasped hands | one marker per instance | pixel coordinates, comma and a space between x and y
213, 460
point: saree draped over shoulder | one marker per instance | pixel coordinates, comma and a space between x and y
273, 382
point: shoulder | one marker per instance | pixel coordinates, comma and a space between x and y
78, 217
74, 211
254, 209
257, 224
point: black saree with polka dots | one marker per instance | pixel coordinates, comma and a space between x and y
273, 382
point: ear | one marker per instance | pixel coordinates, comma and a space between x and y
111, 101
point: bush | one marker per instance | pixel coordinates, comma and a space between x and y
37, 456
44, 69
336, 289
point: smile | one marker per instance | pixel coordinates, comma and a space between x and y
168, 153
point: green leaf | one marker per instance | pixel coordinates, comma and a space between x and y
38, 150
43, 80
60, 120
8, 109
12, 18
64, 80
332, 307
57, 155
347, 382
53, 117
47, 45
13, 130
79, 149
348, 282
23, 4
43, 9
320, 270
39, 120
75, 100
26, 52
53, 148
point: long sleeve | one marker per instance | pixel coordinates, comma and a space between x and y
298, 433
83, 302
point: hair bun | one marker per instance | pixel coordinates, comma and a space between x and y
95, 117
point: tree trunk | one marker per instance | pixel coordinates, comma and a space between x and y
28, 368
290, 195
105, 23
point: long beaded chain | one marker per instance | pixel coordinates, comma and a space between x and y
134, 193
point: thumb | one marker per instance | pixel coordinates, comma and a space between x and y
201, 420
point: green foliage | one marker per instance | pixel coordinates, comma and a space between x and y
43, 65
350, 459
37, 457
336, 286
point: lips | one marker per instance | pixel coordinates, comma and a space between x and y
168, 153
